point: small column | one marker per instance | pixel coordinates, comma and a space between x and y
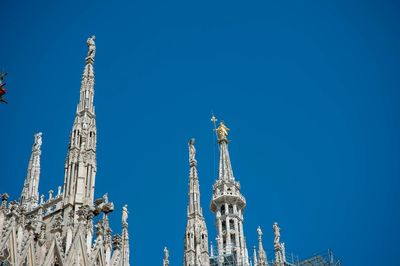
228, 236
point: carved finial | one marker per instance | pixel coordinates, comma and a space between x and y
59, 191
91, 48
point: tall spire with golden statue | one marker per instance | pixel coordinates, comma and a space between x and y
228, 204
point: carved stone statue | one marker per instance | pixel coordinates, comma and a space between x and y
166, 254
38, 141
125, 214
105, 198
222, 131
259, 232
277, 232
192, 150
91, 47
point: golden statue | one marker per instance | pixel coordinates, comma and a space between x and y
222, 131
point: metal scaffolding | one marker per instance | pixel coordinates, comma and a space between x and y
320, 259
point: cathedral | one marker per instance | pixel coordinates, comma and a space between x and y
61, 229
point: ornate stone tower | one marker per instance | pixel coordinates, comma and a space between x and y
80, 164
30, 192
196, 236
228, 205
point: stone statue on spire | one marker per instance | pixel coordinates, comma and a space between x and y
38, 141
192, 150
277, 232
278, 247
259, 232
166, 257
222, 131
91, 48
125, 215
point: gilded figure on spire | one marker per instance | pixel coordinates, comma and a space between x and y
222, 131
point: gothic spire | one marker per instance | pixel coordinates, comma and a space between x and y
30, 193
228, 204
194, 191
196, 236
261, 252
125, 236
80, 164
225, 166
255, 260
87, 83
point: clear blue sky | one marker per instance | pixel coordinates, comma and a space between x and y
310, 91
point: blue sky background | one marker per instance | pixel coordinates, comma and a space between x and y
310, 91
